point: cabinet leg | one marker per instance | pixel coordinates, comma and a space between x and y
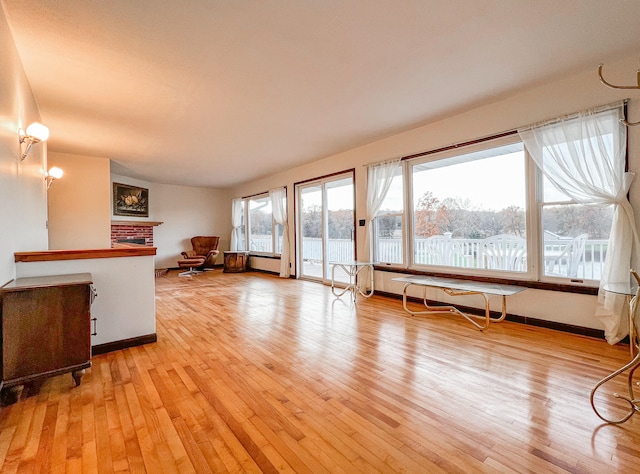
77, 376
32, 387
11, 395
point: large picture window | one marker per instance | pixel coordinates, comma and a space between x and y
469, 210
491, 208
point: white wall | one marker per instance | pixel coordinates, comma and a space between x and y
567, 95
79, 203
80, 210
23, 209
185, 212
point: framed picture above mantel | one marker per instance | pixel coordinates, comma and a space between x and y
130, 200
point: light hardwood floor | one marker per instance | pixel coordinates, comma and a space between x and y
255, 373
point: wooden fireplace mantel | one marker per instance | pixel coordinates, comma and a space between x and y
137, 223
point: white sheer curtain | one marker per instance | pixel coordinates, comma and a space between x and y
584, 157
279, 206
379, 177
236, 223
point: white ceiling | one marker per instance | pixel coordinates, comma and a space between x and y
217, 92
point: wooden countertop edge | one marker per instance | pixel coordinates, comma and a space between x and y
28, 283
52, 255
138, 223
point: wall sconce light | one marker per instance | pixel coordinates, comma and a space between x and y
35, 133
53, 174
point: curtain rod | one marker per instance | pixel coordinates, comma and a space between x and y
462, 144
501, 134
448, 147
596, 109
264, 192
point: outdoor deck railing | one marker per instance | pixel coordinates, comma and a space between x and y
468, 253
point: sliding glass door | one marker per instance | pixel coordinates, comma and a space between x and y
325, 226
311, 223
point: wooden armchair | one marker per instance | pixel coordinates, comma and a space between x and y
203, 247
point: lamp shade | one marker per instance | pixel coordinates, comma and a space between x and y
38, 131
55, 172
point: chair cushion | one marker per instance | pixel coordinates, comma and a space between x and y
191, 262
203, 244
206, 246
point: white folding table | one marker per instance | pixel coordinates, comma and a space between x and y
353, 269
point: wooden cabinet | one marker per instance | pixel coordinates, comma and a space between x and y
46, 329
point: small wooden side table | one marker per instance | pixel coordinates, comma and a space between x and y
236, 261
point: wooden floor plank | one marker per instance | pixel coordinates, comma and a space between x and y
34, 438
132, 447
146, 428
253, 373
174, 442
226, 444
89, 443
115, 434
19, 441
60, 437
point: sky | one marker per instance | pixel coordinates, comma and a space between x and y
490, 183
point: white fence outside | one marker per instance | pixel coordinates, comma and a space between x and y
338, 250
390, 250
590, 263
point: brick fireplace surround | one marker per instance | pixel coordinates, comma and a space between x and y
136, 231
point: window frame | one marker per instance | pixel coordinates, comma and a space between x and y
452, 152
324, 182
247, 227
403, 216
540, 205
535, 274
